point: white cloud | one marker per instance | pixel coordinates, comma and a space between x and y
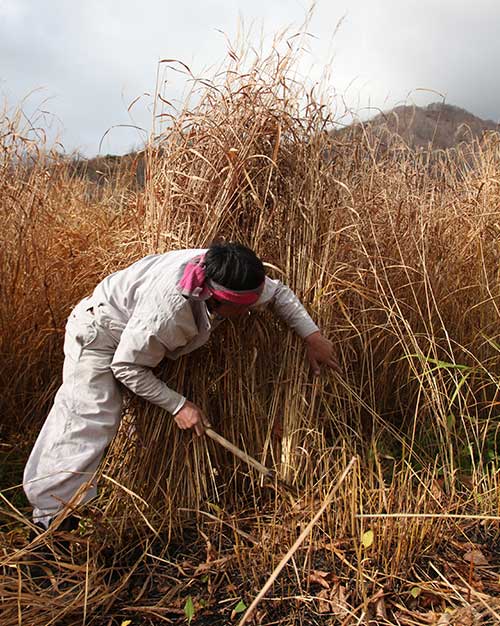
94, 57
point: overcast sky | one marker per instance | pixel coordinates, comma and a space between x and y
89, 59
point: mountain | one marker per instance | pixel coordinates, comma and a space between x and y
438, 125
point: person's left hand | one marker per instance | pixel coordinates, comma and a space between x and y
320, 351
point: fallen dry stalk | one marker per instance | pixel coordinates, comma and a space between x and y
297, 544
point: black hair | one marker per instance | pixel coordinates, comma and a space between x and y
234, 266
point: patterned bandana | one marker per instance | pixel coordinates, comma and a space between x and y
194, 284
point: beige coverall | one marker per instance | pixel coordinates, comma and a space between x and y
134, 318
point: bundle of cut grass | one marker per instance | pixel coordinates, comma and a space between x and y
395, 254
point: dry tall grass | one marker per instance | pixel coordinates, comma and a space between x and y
396, 254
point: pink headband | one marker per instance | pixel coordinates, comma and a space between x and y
194, 284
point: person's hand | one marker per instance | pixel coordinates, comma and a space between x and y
190, 416
320, 351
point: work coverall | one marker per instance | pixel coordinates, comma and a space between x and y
134, 318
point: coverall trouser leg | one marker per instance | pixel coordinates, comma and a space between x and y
82, 422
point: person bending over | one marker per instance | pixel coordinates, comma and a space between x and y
164, 305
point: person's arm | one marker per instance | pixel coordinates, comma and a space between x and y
287, 306
290, 309
142, 348
138, 351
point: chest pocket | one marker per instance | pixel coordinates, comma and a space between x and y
197, 331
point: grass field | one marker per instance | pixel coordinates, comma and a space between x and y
395, 253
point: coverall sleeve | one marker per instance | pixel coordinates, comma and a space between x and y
287, 306
142, 347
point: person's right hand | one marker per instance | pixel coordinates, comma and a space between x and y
190, 416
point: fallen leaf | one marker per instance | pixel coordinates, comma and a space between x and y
334, 601
476, 557
189, 609
323, 604
317, 576
465, 616
367, 538
341, 604
380, 611
444, 620
239, 608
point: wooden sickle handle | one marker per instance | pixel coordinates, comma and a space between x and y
237, 452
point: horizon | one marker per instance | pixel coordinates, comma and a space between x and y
137, 150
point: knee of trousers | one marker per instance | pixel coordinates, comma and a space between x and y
67, 453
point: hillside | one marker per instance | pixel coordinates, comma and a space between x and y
438, 125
